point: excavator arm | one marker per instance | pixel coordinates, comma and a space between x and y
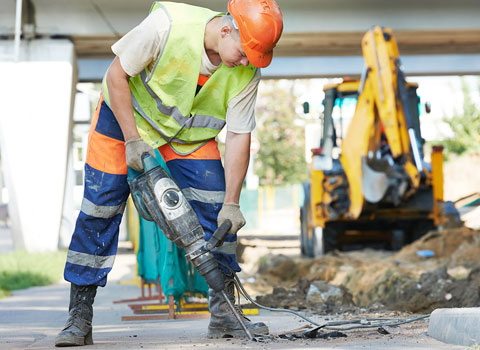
381, 112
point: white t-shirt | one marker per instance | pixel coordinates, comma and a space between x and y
141, 47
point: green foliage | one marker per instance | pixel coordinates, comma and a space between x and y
281, 158
19, 270
465, 125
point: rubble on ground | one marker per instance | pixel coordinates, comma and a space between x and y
402, 281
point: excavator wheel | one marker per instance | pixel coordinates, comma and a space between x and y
330, 239
314, 241
303, 232
318, 248
323, 241
306, 243
419, 228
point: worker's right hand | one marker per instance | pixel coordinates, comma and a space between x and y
134, 148
232, 212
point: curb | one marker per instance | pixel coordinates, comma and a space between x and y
456, 326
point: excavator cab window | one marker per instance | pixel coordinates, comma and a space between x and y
342, 114
339, 108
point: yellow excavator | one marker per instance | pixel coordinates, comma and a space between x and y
369, 181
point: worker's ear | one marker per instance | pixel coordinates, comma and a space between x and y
225, 30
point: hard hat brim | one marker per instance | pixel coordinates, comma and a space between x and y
257, 58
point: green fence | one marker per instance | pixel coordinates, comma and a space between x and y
272, 209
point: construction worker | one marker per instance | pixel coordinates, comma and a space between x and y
177, 79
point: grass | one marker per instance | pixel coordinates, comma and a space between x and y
19, 270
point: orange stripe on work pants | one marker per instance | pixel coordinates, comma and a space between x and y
105, 153
207, 151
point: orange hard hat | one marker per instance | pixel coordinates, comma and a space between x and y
260, 24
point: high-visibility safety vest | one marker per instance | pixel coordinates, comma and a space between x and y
165, 105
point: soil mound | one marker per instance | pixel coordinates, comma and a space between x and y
402, 281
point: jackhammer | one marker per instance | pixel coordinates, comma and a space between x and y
158, 198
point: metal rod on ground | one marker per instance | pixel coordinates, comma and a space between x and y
370, 324
237, 316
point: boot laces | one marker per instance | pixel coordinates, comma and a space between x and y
81, 303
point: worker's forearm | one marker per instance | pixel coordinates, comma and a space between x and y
237, 156
121, 100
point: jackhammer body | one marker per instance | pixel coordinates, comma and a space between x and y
158, 198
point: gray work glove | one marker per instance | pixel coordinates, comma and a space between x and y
134, 149
231, 211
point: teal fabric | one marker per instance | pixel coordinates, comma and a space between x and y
159, 257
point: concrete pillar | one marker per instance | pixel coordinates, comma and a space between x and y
35, 131
1, 180
68, 218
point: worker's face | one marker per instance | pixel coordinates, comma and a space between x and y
230, 49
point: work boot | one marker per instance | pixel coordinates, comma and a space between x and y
223, 323
78, 329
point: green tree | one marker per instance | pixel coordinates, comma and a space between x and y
281, 158
465, 125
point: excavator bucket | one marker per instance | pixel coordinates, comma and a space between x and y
374, 183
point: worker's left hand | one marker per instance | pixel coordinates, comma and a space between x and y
134, 149
232, 212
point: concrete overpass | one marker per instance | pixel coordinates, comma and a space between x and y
321, 37
65, 41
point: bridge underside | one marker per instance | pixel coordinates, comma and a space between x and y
410, 42
332, 54
321, 37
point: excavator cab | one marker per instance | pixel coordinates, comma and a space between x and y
339, 108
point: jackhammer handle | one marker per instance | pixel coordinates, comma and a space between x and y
219, 235
222, 230
147, 165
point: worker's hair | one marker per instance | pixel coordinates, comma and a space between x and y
229, 21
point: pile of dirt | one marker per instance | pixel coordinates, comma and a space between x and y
443, 244
437, 289
403, 281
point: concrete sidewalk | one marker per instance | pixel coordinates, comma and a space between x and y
31, 318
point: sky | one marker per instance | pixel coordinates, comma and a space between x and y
446, 98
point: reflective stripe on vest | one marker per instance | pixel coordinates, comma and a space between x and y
195, 121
